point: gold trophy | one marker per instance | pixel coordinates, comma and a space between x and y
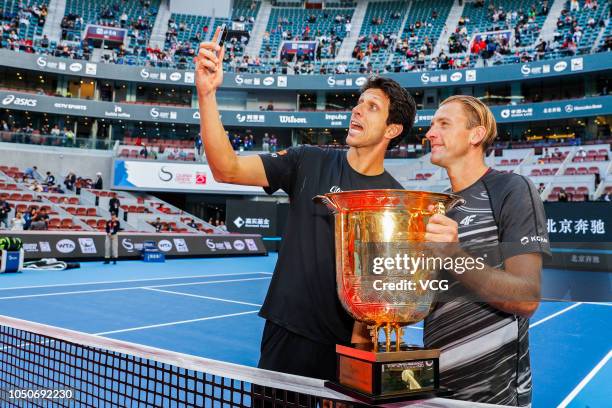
379, 236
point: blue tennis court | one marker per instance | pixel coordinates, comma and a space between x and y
208, 308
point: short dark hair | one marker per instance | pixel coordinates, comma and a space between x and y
402, 108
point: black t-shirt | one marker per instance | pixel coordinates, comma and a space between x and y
302, 296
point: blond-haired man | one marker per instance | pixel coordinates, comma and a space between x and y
481, 323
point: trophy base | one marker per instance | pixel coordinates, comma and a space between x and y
386, 399
376, 377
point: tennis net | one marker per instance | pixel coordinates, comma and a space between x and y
45, 366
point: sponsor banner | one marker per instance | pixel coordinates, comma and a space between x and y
568, 109
251, 217
150, 175
580, 235
509, 72
82, 245
579, 222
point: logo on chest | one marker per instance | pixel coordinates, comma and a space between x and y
335, 189
467, 220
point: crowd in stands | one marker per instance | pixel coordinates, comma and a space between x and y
35, 216
57, 137
72, 184
245, 141
513, 31
18, 25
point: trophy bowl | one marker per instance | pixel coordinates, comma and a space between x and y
377, 233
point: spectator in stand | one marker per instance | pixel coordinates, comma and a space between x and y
198, 145
5, 209
112, 240
36, 186
606, 197
18, 222
236, 141
144, 153
113, 205
31, 173
162, 154
69, 137
98, 184
563, 196
27, 217
273, 143
40, 220
157, 225
69, 181
265, 146
541, 188
581, 153
192, 224
50, 179
222, 226
55, 132
78, 185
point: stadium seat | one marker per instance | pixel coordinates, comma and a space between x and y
73, 200
53, 223
91, 212
66, 223
81, 211
593, 170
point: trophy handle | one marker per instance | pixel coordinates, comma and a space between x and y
440, 208
331, 206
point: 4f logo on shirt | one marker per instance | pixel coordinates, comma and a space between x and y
335, 189
467, 220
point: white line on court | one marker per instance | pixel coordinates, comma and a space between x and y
137, 280
560, 312
585, 381
175, 323
78, 292
598, 303
203, 297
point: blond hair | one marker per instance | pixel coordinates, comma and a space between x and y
478, 114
